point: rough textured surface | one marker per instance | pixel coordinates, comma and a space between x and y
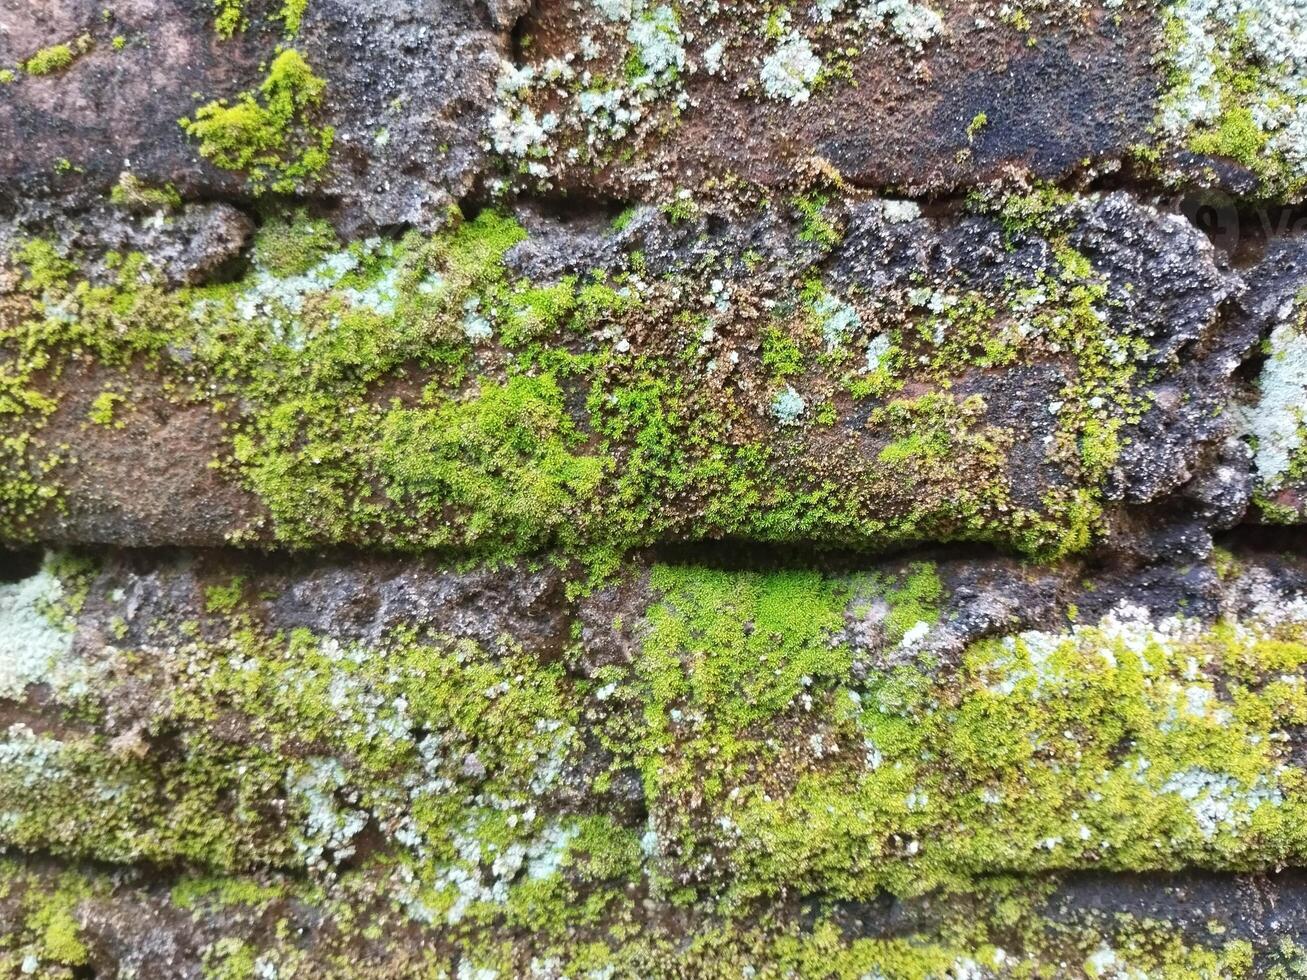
864, 375
891, 116
623, 488
410, 82
341, 744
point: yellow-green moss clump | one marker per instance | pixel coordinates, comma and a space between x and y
57, 57
292, 15
415, 394
458, 794
1129, 744
268, 135
135, 194
229, 17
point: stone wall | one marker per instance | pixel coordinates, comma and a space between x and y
633, 489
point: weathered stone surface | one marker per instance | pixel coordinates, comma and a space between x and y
619, 488
430, 102
921, 108
409, 85
444, 750
179, 928
850, 372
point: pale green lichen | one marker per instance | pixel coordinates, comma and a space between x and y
1277, 421
1235, 85
36, 642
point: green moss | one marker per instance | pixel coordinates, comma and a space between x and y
46, 267
195, 893
103, 408
623, 220
920, 776
537, 314
224, 599
1273, 512
291, 245
229, 959
817, 227
1041, 210
292, 15
780, 354
229, 17
50, 60
681, 210
505, 459
800, 749
474, 253
268, 134
505, 722
52, 919
607, 851
1236, 135
414, 394
321, 929
1099, 446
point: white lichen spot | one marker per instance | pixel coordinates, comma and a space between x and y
476, 326
872, 754
1219, 801
1277, 421
29, 760
788, 407
877, 351
329, 828
1106, 963
656, 38
381, 297
614, 10
912, 23
545, 855
712, 57
918, 632
278, 301
1206, 36
898, 212
838, 319
35, 648
789, 72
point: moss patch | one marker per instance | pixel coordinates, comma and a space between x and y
267, 134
